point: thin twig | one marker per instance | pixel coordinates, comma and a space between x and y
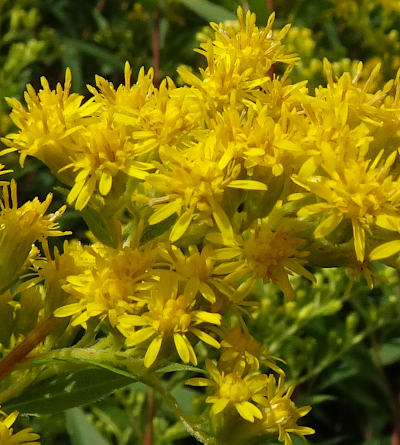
156, 47
150, 413
20, 352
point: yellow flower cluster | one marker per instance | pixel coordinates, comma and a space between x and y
236, 387
237, 176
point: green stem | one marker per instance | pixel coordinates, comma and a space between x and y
190, 426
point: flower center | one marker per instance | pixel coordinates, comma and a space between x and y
234, 389
173, 316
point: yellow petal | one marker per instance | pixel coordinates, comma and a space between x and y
207, 317
206, 338
207, 292
223, 224
105, 183
328, 225
181, 226
248, 411
359, 240
308, 168
181, 347
385, 250
152, 351
67, 310
139, 336
192, 354
165, 211
86, 193
219, 406
248, 184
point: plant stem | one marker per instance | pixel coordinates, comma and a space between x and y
190, 426
20, 352
151, 410
156, 47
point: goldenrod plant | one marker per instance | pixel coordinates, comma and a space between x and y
212, 208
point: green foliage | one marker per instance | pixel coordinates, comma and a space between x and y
341, 347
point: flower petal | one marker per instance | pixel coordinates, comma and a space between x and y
152, 351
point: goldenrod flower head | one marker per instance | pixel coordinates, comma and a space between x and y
7, 435
105, 153
168, 116
196, 270
240, 350
128, 97
54, 269
170, 316
280, 414
20, 227
239, 346
238, 61
245, 393
359, 191
266, 254
114, 284
192, 185
48, 123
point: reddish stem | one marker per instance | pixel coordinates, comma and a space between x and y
20, 352
156, 47
150, 412
100, 5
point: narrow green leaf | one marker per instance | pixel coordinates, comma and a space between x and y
390, 352
209, 11
81, 429
173, 367
95, 51
68, 390
101, 228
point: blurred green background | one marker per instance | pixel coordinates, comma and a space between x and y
342, 350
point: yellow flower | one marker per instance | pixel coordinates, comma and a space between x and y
20, 227
280, 414
116, 283
8, 437
238, 61
48, 124
196, 270
359, 191
244, 393
239, 350
266, 254
170, 316
192, 185
54, 270
104, 153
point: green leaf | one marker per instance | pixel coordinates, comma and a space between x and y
173, 367
81, 429
209, 11
390, 352
95, 51
101, 228
68, 390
